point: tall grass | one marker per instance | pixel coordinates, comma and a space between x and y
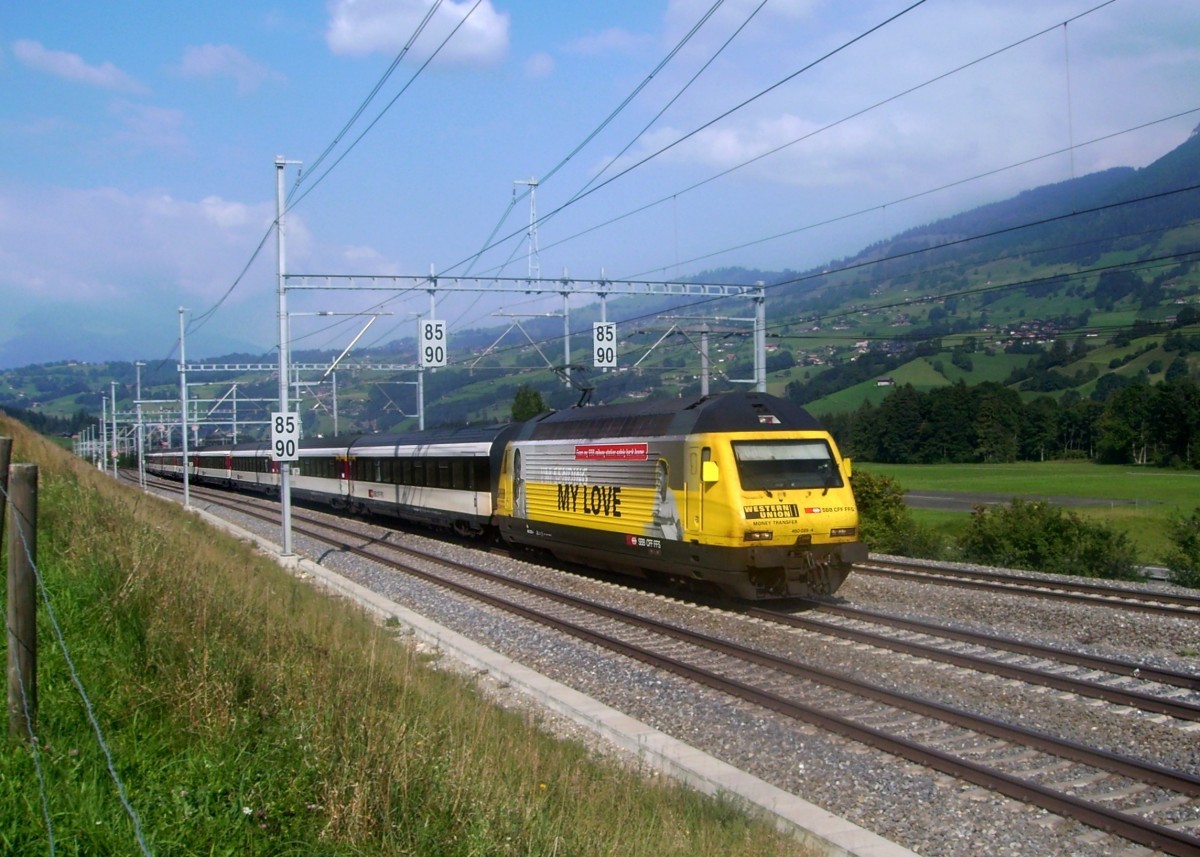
248, 715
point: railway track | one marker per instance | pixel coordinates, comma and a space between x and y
1094, 593
1107, 679
1137, 799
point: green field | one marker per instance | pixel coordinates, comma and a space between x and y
1144, 498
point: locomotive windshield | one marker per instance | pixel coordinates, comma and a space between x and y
778, 464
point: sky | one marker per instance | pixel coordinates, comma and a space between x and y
660, 139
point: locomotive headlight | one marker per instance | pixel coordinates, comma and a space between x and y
758, 536
843, 531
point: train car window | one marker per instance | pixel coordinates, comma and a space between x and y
444, 479
406, 474
418, 471
779, 464
458, 474
480, 474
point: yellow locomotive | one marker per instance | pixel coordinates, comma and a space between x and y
744, 493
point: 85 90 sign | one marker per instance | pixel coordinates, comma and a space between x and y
285, 436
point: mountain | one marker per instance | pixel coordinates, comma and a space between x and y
1087, 257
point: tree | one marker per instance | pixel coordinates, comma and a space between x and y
1042, 537
527, 403
1126, 424
1184, 559
885, 523
997, 422
898, 426
947, 434
1039, 428
1175, 413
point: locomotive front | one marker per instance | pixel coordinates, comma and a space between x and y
744, 493
775, 507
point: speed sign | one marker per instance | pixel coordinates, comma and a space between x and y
604, 344
433, 343
285, 436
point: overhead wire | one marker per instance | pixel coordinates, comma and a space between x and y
197, 322
672, 101
1155, 261
723, 115
378, 86
927, 192
824, 128
387, 107
470, 262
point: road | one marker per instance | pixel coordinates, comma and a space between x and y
965, 501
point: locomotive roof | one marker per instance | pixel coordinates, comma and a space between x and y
659, 417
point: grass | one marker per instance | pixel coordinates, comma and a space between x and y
247, 714
1155, 494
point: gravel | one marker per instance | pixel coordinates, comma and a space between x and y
925, 811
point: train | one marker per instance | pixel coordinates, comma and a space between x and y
744, 494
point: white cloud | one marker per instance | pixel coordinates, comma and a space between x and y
613, 40
358, 27
226, 61
72, 67
151, 128
101, 244
539, 66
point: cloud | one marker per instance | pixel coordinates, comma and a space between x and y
358, 27
202, 61
103, 244
150, 128
71, 67
613, 40
539, 66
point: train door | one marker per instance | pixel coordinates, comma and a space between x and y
345, 477
694, 489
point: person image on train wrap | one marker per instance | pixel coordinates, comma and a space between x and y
518, 487
665, 522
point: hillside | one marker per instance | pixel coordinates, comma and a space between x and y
1106, 260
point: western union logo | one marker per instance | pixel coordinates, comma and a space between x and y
774, 510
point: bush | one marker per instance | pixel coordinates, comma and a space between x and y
1184, 560
1042, 537
885, 523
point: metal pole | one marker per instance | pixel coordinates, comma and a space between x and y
566, 330
335, 413
285, 468
760, 339
22, 605
103, 463
421, 399
115, 452
704, 360
141, 440
183, 408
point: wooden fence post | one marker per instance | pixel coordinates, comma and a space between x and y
22, 605
5, 457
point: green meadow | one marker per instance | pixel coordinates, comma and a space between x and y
1143, 499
